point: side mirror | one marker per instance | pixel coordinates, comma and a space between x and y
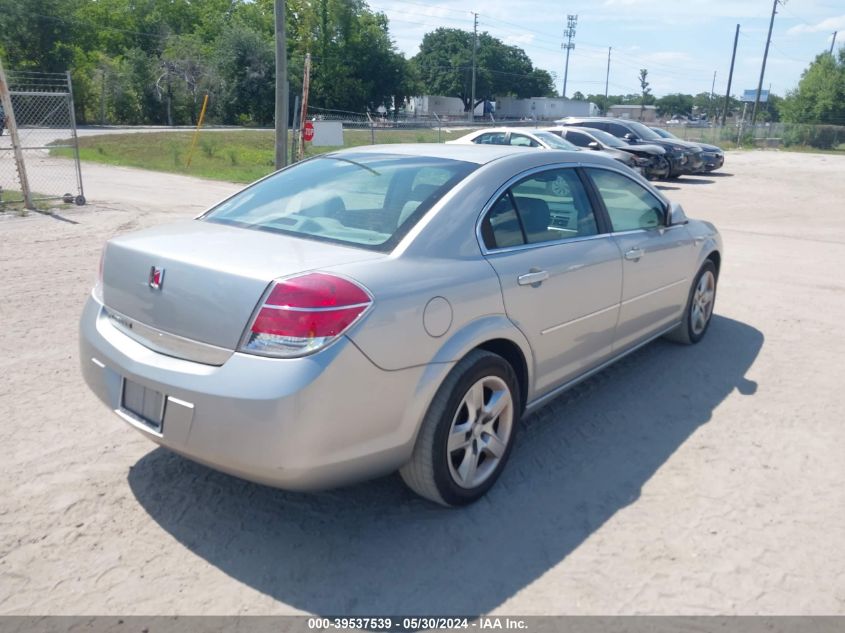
676, 215
630, 138
593, 145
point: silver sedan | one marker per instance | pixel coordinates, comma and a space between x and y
390, 308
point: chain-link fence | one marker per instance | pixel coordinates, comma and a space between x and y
362, 128
765, 135
372, 128
39, 154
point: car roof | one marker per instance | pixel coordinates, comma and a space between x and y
472, 153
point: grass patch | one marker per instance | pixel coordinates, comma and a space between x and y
233, 155
12, 202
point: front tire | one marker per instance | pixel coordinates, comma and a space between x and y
467, 433
699, 308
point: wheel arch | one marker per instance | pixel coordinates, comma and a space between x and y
512, 353
716, 258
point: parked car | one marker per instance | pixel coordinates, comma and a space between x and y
535, 137
712, 156
651, 159
390, 307
684, 158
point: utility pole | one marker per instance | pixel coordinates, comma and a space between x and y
763, 68
303, 112
607, 76
568, 33
712, 91
730, 78
833, 43
471, 114
281, 87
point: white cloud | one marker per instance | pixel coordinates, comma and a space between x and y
830, 24
519, 40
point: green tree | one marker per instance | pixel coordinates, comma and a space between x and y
820, 96
644, 87
674, 105
444, 67
244, 64
40, 34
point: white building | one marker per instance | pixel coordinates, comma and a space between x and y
543, 108
634, 112
429, 105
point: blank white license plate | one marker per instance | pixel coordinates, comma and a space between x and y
145, 404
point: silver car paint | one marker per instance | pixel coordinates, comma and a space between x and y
214, 275
352, 411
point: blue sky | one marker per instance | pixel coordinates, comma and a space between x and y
680, 42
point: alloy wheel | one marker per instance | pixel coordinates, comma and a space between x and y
480, 432
702, 302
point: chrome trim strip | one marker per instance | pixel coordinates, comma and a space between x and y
539, 402
554, 328
653, 292
330, 309
187, 405
167, 343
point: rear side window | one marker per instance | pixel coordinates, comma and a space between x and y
365, 200
520, 140
629, 205
491, 138
546, 207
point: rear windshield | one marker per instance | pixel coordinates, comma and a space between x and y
365, 200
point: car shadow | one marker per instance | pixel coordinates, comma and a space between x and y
720, 174
666, 188
377, 548
695, 180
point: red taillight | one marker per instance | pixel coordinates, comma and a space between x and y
304, 314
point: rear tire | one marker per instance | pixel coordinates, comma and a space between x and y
699, 309
467, 433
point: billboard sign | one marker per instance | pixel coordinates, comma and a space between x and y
748, 96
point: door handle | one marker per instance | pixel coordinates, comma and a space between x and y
634, 254
534, 278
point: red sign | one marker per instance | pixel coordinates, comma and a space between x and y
308, 131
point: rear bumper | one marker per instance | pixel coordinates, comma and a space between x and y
302, 424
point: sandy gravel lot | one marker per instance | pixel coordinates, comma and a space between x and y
683, 480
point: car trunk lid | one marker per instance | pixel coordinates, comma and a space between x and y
211, 276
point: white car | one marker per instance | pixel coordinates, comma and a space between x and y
534, 137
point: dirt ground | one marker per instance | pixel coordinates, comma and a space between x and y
695, 480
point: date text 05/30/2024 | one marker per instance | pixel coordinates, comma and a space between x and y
415, 623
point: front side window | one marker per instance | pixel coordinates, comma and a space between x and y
579, 139
629, 205
365, 200
546, 207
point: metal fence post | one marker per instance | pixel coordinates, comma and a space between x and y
11, 123
80, 198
